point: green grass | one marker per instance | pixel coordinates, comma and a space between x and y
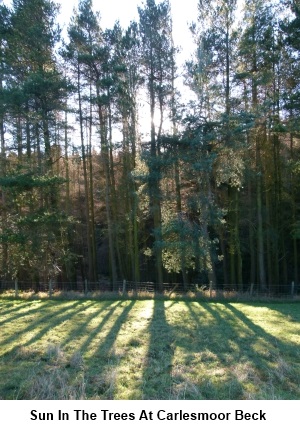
148, 349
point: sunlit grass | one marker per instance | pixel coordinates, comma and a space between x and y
148, 349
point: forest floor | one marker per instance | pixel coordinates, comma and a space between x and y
148, 349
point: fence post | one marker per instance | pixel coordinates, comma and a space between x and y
124, 286
251, 290
293, 289
16, 288
85, 287
210, 288
50, 287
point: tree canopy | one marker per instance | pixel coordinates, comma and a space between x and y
107, 171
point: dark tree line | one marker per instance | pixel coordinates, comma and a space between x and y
107, 171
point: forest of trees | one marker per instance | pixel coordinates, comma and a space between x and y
197, 191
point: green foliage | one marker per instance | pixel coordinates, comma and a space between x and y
28, 181
38, 243
210, 190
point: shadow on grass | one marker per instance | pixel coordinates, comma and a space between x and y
289, 310
40, 325
82, 328
47, 362
174, 350
275, 344
254, 361
156, 380
101, 365
7, 306
22, 309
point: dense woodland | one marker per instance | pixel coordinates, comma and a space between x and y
193, 191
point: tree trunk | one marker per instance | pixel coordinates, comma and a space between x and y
85, 178
106, 166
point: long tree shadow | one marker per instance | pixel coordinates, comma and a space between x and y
198, 369
193, 350
215, 333
38, 326
233, 331
286, 309
77, 332
157, 379
251, 357
276, 360
101, 363
236, 342
7, 306
27, 310
274, 342
22, 357
106, 344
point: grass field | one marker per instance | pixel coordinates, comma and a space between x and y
148, 349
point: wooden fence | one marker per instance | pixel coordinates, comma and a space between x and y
129, 287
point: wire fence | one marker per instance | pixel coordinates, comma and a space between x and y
124, 287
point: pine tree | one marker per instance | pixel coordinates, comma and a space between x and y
34, 92
157, 55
